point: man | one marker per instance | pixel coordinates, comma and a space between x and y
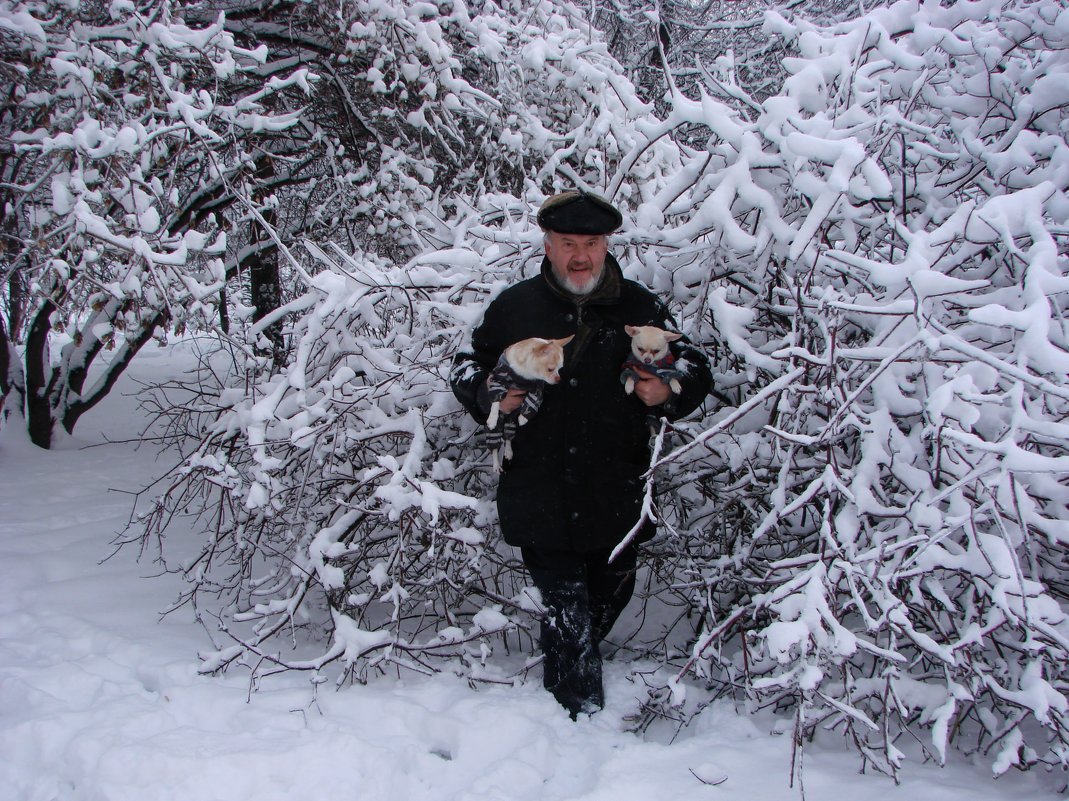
572, 489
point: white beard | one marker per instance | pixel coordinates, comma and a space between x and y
580, 291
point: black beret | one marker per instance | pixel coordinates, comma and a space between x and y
579, 212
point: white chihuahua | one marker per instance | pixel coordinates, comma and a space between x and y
528, 364
649, 351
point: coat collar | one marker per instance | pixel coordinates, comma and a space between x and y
605, 293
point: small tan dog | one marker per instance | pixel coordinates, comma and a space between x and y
538, 359
649, 352
529, 365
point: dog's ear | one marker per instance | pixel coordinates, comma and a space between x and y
631, 330
565, 341
672, 336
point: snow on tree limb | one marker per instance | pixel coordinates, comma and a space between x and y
870, 521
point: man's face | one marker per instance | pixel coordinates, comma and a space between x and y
578, 260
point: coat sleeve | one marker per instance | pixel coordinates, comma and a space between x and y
467, 376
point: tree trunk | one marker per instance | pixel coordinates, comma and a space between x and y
224, 312
16, 305
39, 421
12, 379
265, 292
265, 282
77, 404
5, 364
53, 394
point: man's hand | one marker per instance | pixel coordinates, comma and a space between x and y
511, 402
650, 389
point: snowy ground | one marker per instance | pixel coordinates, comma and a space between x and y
100, 699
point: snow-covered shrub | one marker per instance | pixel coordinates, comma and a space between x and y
869, 530
154, 147
344, 502
422, 104
325, 492
887, 277
118, 120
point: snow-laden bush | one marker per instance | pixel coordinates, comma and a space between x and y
344, 501
117, 122
889, 495
153, 146
869, 530
325, 491
424, 104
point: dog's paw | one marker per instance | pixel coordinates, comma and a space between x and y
675, 386
629, 386
491, 419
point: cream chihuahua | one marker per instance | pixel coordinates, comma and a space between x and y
531, 362
649, 352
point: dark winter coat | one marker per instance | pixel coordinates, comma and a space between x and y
574, 481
